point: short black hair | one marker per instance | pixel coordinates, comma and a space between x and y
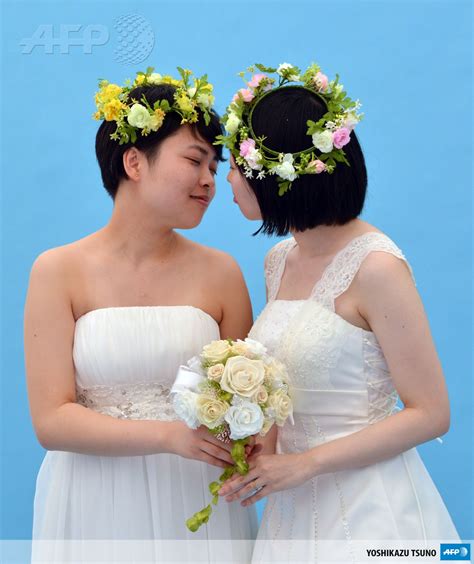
110, 153
313, 199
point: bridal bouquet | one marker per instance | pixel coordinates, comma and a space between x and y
236, 390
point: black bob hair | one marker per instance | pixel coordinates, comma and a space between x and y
110, 153
313, 199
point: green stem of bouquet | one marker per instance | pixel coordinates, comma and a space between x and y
240, 466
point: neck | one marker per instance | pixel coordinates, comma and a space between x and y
135, 232
326, 239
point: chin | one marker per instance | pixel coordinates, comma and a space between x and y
251, 215
189, 223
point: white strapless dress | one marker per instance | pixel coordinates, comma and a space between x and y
126, 359
340, 384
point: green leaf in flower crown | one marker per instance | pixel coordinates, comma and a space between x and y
338, 156
263, 68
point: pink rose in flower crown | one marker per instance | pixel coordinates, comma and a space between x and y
317, 165
245, 93
341, 137
321, 81
256, 80
247, 147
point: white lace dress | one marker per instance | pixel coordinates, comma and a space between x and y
126, 359
341, 384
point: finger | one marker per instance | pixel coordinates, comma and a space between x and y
245, 491
230, 487
257, 449
256, 497
217, 442
217, 452
211, 460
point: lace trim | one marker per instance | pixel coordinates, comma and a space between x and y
143, 400
275, 264
340, 273
382, 395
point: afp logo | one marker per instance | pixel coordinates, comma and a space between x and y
133, 36
455, 552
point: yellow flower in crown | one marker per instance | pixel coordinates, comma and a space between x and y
134, 117
139, 79
157, 119
112, 109
167, 79
184, 103
107, 92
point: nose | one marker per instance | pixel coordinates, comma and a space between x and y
207, 180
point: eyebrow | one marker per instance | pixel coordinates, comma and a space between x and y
202, 150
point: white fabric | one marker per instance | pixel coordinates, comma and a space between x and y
126, 359
341, 384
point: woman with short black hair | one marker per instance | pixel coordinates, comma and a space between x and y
110, 318
345, 317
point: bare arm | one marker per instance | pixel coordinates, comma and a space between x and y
390, 303
237, 310
392, 306
62, 424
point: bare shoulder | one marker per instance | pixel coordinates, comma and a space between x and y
60, 266
57, 261
221, 263
382, 266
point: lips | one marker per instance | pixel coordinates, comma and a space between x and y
203, 200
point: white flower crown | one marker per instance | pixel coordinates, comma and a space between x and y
329, 134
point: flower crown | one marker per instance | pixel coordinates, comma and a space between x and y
329, 134
114, 103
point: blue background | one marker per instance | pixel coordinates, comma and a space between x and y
408, 62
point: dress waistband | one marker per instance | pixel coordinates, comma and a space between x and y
142, 400
345, 403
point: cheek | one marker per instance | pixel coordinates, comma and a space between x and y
247, 201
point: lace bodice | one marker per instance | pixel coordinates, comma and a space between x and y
126, 358
328, 358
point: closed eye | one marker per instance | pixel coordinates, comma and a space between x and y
195, 161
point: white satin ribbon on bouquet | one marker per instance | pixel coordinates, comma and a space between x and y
186, 379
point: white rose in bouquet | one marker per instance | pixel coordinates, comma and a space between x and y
211, 411
185, 407
261, 395
215, 372
242, 376
216, 351
244, 419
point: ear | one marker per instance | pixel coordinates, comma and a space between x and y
133, 163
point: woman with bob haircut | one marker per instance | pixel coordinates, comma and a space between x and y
111, 317
344, 316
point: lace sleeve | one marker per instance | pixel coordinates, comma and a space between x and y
341, 272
